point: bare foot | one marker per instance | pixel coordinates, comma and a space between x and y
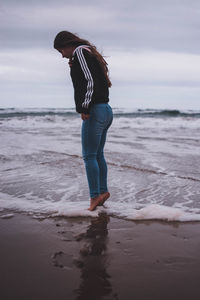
104, 197
94, 202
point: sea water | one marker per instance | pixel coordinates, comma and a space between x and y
153, 161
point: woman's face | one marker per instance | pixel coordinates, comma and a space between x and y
66, 52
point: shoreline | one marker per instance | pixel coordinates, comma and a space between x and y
98, 258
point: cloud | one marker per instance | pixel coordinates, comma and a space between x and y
155, 68
152, 47
32, 65
171, 25
141, 67
32, 74
41, 16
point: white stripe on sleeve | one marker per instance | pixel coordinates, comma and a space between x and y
88, 77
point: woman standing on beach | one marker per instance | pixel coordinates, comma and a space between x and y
89, 74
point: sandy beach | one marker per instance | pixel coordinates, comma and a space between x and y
98, 258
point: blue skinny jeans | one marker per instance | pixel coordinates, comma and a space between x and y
93, 136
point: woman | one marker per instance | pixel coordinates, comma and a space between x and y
90, 79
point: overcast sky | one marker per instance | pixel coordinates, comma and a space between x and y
152, 48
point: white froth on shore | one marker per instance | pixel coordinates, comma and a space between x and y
152, 159
162, 212
80, 209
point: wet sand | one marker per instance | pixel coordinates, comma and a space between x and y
100, 258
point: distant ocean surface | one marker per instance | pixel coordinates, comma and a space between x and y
153, 161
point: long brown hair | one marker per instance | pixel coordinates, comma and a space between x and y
66, 38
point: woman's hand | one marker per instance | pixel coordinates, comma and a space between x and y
85, 116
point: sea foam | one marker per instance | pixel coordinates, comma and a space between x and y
80, 209
152, 158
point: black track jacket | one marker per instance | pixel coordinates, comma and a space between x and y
90, 84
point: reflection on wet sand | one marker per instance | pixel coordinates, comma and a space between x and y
93, 260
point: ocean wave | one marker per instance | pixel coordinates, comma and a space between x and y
36, 112
158, 113
118, 112
125, 166
145, 170
46, 209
